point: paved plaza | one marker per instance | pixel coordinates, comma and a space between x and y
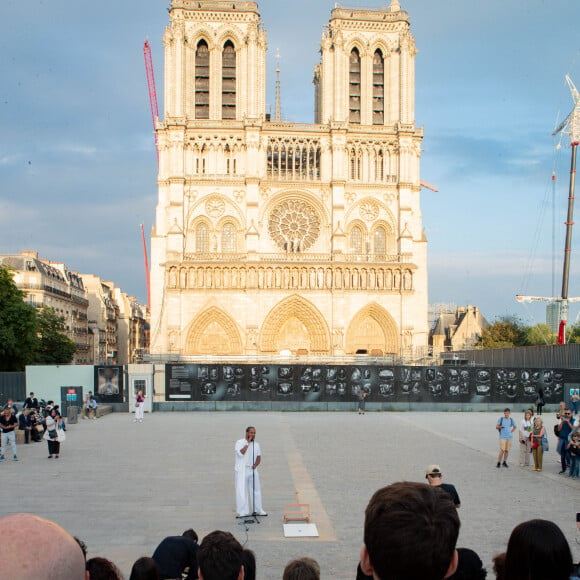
123, 486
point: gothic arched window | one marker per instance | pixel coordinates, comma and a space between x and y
202, 238
229, 81
380, 241
229, 239
354, 72
356, 240
378, 88
202, 80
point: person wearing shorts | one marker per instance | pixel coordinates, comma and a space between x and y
506, 426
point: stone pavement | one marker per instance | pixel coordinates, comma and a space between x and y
123, 486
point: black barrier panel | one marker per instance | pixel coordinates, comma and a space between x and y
326, 383
108, 386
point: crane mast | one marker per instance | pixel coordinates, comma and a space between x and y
570, 125
152, 92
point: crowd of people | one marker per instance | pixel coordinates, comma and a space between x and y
410, 529
39, 420
410, 533
533, 440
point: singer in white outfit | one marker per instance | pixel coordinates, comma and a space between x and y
247, 479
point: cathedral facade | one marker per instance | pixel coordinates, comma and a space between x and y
273, 236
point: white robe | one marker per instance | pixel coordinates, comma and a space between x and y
247, 480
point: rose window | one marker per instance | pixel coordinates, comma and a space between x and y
294, 225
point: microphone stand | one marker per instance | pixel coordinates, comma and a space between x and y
254, 514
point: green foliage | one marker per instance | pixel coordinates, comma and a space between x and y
540, 335
506, 332
573, 334
55, 346
18, 326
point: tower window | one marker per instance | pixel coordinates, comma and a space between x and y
202, 81
354, 86
378, 88
229, 81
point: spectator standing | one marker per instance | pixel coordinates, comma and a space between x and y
31, 402
565, 428
574, 451
575, 401
540, 401
506, 426
525, 438
54, 434
139, 406
10, 405
537, 449
8, 423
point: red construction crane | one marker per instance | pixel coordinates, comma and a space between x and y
152, 91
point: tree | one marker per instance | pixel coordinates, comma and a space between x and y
506, 332
19, 341
540, 335
55, 346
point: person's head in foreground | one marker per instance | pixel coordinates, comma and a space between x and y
538, 550
57, 554
219, 557
302, 569
469, 566
410, 532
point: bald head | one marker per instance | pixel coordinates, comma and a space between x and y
57, 553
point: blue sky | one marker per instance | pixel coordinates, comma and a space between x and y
78, 167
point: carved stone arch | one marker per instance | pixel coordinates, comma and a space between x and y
372, 328
231, 33
213, 331
381, 45
200, 34
360, 44
295, 323
390, 241
231, 208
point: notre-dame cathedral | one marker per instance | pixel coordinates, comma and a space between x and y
273, 236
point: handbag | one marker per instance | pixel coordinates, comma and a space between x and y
535, 444
545, 444
39, 428
52, 433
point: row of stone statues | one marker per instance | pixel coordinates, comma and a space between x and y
290, 278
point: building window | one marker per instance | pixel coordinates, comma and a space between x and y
378, 88
229, 245
354, 86
202, 81
229, 81
202, 238
380, 241
356, 240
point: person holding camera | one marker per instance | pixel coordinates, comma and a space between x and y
565, 427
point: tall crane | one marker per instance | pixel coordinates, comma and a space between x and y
152, 92
570, 125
